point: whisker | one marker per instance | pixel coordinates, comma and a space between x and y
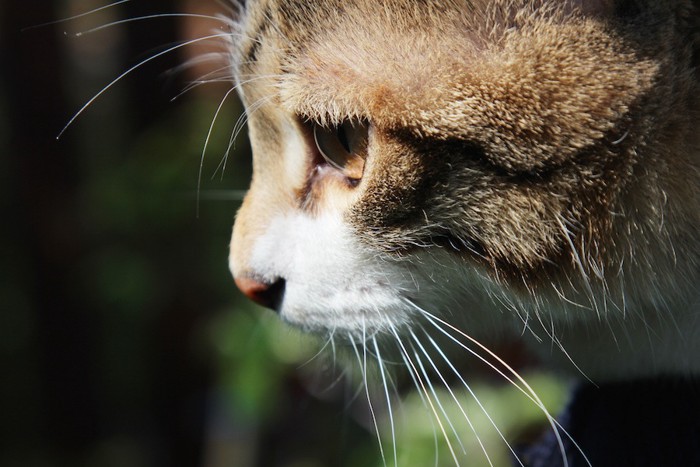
240, 125
437, 398
250, 110
210, 77
530, 393
363, 367
388, 399
206, 143
409, 362
236, 129
476, 399
333, 351
146, 17
454, 397
423, 399
131, 70
74, 17
475, 354
579, 264
312, 358
199, 83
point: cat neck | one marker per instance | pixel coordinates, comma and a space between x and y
628, 347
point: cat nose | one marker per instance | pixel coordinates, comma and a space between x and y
267, 294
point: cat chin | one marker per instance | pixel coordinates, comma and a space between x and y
384, 315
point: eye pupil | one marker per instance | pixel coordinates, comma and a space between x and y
343, 138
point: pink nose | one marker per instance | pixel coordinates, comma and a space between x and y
266, 294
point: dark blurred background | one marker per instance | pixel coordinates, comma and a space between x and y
123, 341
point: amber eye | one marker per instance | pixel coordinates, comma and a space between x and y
344, 146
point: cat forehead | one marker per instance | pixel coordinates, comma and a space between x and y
296, 22
345, 58
547, 77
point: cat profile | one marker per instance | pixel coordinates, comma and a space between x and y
460, 168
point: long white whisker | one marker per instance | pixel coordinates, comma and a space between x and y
199, 83
388, 399
81, 15
239, 126
471, 392
454, 397
145, 17
423, 399
243, 118
215, 76
409, 362
325, 345
533, 398
209, 77
556, 427
481, 358
419, 391
437, 398
250, 110
363, 368
131, 70
333, 350
206, 143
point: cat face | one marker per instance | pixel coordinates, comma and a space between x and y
486, 161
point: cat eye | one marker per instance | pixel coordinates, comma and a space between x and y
344, 146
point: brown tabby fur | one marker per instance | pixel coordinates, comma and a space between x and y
548, 142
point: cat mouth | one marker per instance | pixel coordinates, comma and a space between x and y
375, 308
359, 305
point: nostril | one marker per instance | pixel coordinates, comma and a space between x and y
267, 294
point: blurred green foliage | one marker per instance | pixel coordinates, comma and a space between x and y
499, 405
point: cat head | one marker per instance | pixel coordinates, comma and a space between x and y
483, 160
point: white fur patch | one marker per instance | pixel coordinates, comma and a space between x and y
332, 283
335, 283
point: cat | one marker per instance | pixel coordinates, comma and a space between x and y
431, 173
